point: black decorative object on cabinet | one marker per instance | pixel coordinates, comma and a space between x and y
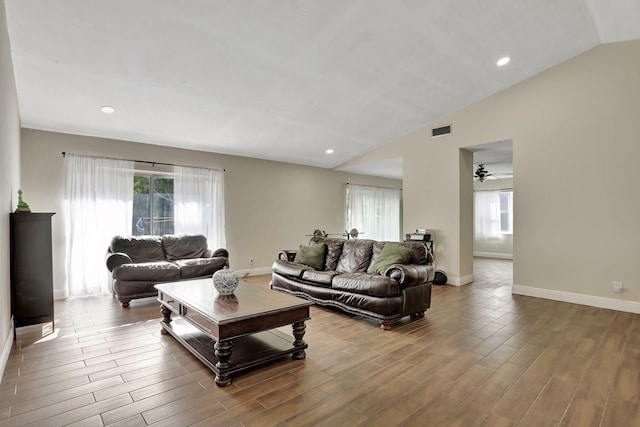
31, 268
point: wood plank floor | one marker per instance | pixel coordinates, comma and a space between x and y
480, 357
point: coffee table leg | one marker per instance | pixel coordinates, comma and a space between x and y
223, 353
166, 317
298, 333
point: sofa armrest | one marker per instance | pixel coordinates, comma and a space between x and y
287, 255
289, 268
218, 252
116, 259
410, 274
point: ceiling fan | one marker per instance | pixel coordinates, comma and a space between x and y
481, 173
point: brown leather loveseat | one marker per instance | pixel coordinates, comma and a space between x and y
137, 263
353, 277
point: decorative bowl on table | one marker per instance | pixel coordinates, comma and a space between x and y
225, 281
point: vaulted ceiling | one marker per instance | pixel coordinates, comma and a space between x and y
285, 80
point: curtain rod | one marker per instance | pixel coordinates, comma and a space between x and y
64, 153
373, 186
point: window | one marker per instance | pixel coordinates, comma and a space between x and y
506, 212
99, 203
493, 214
199, 203
152, 205
374, 211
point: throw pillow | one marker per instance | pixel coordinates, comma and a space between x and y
390, 254
313, 256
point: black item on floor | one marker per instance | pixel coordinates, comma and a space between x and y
440, 278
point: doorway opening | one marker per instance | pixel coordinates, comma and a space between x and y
493, 195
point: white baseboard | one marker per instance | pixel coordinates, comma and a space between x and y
253, 271
590, 300
460, 281
6, 348
59, 294
493, 255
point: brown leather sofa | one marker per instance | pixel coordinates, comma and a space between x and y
137, 263
401, 290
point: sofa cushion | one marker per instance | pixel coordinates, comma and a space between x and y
366, 284
198, 267
289, 268
419, 251
184, 247
158, 271
356, 256
139, 248
313, 256
390, 254
389, 308
377, 248
319, 277
334, 250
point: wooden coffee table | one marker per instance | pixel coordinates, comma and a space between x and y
232, 333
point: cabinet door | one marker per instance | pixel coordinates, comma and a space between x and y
31, 268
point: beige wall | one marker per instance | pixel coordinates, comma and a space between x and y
269, 205
575, 134
9, 179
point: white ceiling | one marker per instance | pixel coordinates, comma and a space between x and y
286, 80
496, 157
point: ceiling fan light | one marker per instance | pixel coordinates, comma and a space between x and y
481, 173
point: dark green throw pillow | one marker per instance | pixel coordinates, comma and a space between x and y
390, 254
313, 256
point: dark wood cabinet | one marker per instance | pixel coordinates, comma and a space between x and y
31, 268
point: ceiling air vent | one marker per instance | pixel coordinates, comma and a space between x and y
442, 130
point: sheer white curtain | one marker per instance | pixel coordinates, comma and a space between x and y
374, 211
99, 205
199, 204
487, 215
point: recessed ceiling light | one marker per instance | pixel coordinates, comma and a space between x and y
329, 151
108, 109
503, 61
